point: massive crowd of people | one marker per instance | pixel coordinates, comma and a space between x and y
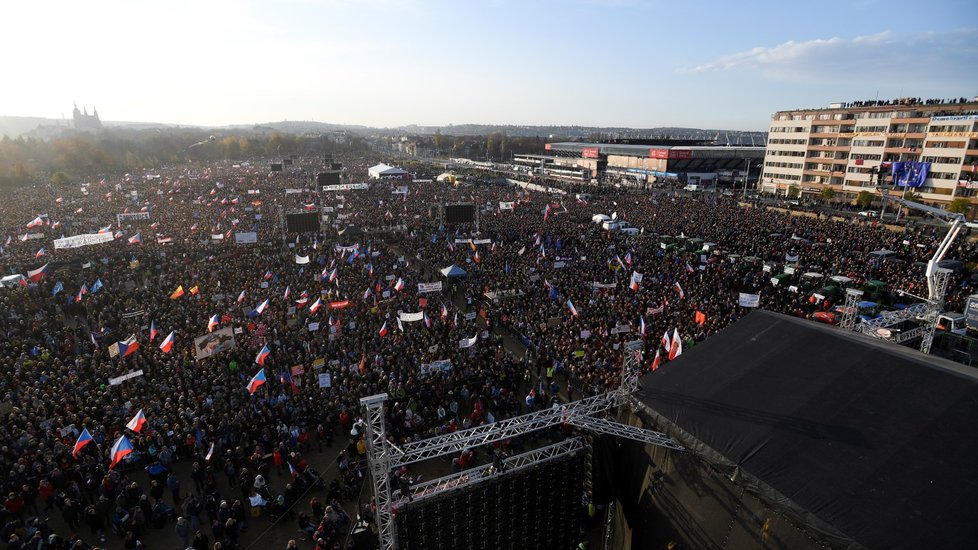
338, 327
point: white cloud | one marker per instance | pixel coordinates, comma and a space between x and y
886, 56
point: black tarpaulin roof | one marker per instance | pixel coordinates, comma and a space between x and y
867, 442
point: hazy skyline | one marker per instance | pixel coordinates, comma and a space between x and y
397, 62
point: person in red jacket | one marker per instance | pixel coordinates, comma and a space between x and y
14, 505
45, 491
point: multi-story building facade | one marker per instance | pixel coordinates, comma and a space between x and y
851, 147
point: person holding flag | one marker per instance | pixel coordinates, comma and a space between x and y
120, 450
137, 422
262, 355
256, 382
167, 344
83, 439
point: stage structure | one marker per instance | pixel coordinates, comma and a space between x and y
924, 314
588, 414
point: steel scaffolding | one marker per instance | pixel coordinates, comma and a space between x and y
383, 456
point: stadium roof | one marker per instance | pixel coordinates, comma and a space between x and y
867, 442
650, 150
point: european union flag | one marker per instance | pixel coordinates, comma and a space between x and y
96, 286
910, 174
553, 292
58, 287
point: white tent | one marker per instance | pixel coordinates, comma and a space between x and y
385, 171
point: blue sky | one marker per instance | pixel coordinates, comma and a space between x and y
392, 62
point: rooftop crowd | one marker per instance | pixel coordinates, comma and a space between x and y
56, 363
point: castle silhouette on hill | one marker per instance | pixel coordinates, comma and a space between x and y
84, 121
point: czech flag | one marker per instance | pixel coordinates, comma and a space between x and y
213, 322
128, 346
84, 439
137, 422
40, 253
136, 239
286, 379
260, 358
288, 292
177, 293
292, 471
120, 449
241, 297
383, 330
81, 292
679, 289
36, 222
261, 307
256, 382
167, 343
152, 331
268, 275
332, 275
399, 285
641, 326
315, 305
570, 306
36, 274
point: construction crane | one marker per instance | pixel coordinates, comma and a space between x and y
937, 279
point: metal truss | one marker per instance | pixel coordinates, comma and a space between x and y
939, 289
379, 463
478, 474
605, 426
383, 456
497, 431
891, 318
849, 311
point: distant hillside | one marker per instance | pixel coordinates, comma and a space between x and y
16, 126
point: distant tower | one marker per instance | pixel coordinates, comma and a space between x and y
85, 122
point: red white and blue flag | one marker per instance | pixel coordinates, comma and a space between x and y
167, 344
241, 297
40, 253
35, 275
128, 346
261, 307
383, 330
152, 331
570, 306
36, 222
262, 355
136, 239
137, 422
641, 326
399, 285
120, 449
288, 292
315, 305
256, 382
84, 439
268, 275
213, 322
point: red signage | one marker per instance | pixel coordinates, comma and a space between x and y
658, 153
680, 154
589, 152
547, 147
339, 305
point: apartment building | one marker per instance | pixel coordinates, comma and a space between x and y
851, 147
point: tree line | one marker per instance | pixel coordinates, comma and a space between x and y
24, 160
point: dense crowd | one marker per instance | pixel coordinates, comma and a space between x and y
541, 255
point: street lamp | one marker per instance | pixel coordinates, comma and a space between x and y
746, 176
